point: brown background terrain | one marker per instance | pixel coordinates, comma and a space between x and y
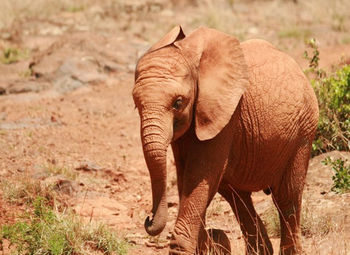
66, 103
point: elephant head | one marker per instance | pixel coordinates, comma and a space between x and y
183, 82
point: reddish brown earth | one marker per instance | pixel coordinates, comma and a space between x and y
69, 105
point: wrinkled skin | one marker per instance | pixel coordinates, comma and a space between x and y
240, 117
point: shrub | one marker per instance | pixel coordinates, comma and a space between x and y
333, 94
341, 178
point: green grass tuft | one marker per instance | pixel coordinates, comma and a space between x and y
46, 231
13, 55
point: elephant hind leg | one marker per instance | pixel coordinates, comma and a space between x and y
254, 231
215, 242
220, 243
287, 197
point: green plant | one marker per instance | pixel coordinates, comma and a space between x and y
13, 55
313, 59
341, 177
45, 231
333, 94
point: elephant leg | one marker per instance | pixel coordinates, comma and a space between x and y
218, 242
203, 168
254, 231
203, 240
189, 230
287, 197
213, 241
289, 214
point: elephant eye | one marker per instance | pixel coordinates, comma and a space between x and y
178, 103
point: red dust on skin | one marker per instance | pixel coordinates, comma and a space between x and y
98, 123
261, 138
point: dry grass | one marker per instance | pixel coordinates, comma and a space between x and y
14, 10
235, 17
54, 169
24, 190
322, 234
277, 21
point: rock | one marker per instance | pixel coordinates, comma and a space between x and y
24, 86
64, 186
66, 84
61, 184
119, 177
2, 91
84, 69
88, 166
79, 60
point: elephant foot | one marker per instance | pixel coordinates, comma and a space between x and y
290, 250
217, 243
180, 246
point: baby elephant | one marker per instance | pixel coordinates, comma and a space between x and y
240, 117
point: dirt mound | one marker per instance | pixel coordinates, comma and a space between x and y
77, 60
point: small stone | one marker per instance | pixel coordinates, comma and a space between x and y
88, 166
53, 118
150, 244
2, 91
65, 186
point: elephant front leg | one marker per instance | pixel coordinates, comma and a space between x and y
199, 186
190, 223
212, 241
255, 234
200, 170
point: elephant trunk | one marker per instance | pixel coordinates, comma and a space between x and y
155, 144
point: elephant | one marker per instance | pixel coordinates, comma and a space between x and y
240, 118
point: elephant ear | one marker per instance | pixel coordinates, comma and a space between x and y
222, 78
174, 35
